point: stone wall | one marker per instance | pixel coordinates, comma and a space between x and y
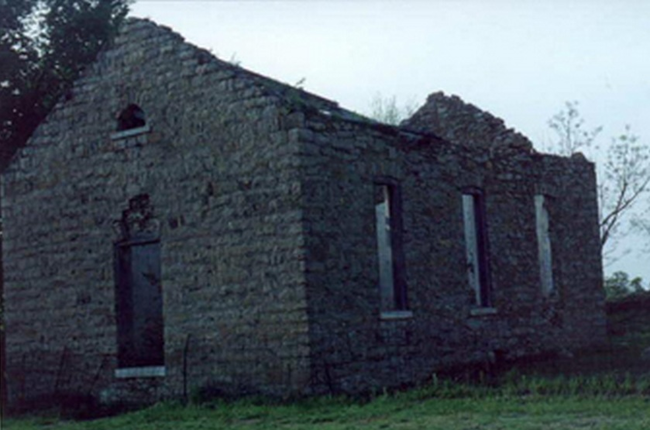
357, 347
461, 123
216, 161
262, 199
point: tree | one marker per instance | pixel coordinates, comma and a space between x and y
387, 111
624, 172
625, 181
18, 57
620, 285
568, 125
43, 47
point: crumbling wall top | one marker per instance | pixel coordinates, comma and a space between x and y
450, 118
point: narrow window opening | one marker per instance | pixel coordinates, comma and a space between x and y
139, 304
392, 286
131, 117
544, 244
476, 246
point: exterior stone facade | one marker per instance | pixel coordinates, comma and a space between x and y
258, 205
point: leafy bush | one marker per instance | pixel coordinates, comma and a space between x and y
619, 285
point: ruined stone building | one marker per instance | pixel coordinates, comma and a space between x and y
179, 223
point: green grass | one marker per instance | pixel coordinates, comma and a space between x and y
401, 411
608, 389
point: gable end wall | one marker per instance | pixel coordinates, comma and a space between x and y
217, 165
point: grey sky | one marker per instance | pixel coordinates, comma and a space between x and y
520, 60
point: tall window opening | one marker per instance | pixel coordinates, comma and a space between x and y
131, 117
544, 244
388, 223
476, 246
139, 301
139, 305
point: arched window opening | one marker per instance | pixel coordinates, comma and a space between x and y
130, 118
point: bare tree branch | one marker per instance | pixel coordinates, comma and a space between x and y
387, 110
624, 174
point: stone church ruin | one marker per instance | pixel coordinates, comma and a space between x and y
179, 223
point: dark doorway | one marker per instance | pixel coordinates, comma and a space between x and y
139, 304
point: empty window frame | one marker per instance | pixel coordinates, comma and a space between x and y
388, 223
139, 304
544, 244
476, 246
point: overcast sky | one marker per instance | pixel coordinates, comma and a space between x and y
520, 60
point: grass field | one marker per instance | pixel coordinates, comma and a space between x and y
609, 389
393, 412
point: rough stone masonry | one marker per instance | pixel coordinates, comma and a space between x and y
178, 223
